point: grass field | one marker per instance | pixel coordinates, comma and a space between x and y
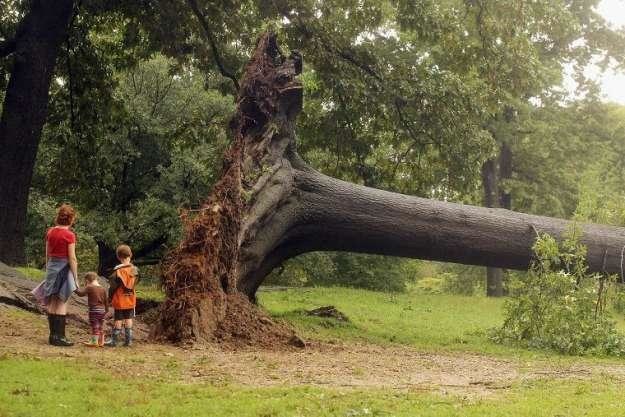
32, 273
79, 383
423, 321
30, 388
426, 322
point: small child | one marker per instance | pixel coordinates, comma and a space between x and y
98, 307
122, 284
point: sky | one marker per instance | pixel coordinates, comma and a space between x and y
612, 82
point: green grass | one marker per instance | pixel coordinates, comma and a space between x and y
430, 322
31, 273
146, 289
424, 321
31, 388
150, 291
70, 386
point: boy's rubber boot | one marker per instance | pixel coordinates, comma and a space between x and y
112, 342
52, 326
61, 340
93, 341
128, 334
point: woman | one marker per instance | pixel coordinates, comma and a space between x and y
61, 273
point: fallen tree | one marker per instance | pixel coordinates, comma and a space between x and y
269, 205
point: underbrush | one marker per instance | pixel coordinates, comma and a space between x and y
559, 305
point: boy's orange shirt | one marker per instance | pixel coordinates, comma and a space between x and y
124, 296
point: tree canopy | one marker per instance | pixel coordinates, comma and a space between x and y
406, 96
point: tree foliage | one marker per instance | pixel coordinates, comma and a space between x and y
406, 96
559, 306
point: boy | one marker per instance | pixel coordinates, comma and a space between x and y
98, 307
122, 296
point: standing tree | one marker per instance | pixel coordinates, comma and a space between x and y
269, 205
35, 47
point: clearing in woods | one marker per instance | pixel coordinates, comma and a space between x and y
441, 362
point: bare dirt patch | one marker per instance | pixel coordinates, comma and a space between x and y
339, 366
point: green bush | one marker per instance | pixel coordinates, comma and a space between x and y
373, 272
452, 283
430, 285
618, 299
556, 305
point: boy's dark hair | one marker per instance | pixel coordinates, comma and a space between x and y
123, 252
91, 276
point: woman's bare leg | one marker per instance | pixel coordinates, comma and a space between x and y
52, 306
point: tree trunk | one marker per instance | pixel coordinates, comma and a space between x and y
505, 173
490, 185
37, 43
505, 201
269, 206
107, 258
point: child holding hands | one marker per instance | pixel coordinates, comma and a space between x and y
98, 307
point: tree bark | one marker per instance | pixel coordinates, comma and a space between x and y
505, 173
269, 205
107, 258
24, 111
490, 185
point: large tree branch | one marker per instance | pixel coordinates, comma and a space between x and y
150, 247
341, 216
213, 44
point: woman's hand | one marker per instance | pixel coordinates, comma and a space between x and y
73, 261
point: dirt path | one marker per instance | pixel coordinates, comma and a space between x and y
321, 364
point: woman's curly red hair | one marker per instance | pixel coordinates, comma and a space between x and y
65, 215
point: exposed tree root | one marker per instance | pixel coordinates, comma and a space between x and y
200, 276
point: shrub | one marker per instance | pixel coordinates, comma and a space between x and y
453, 283
558, 305
430, 285
618, 299
373, 272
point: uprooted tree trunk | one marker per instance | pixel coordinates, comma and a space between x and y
269, 206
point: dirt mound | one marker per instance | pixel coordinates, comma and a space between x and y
246, 325
328, 311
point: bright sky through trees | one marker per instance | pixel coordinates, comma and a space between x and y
613, 82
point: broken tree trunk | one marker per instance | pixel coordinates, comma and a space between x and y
269, 206
15, 290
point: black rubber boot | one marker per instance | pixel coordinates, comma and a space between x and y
128, 334
61, 340
112, 342
52, 325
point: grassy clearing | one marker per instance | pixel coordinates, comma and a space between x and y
424, 321
78, 386
147, 289
62, 388
150, 291
31, 273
